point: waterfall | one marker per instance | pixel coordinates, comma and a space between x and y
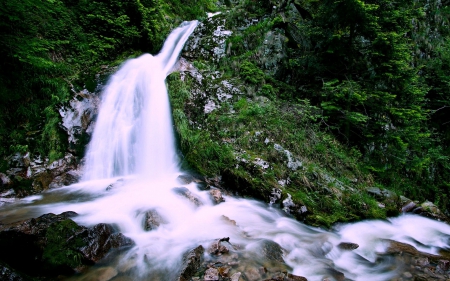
132, 167
134, 132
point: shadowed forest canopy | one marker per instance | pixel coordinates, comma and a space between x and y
379, 71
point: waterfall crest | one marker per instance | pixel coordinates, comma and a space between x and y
134, 132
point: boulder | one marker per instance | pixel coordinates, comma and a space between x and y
184, 192
217, 248
211, 274
216, 195
347, 246
153, 220
54, 244
191, 263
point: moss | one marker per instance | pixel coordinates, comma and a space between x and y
60, 251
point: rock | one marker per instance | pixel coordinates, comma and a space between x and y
236, 276
290, 207
292, 277
444, 265
8, 274
217, 248
153, 220
54, 244
428, 209
183, 191
99, 239
115, 184
216, 195
191, 263
409, 207
252, 274
396, 247
407, 275
5, 181
276, 194
347, 246
208, 40
228, 220
65, 179
78, 119
270, 250
211, 274
185, 179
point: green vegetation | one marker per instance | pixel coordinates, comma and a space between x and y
61, 250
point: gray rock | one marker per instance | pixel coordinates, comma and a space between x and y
65, 179
5, 181
348, 246
153, 220
191, 263
409, 207
236, 276
183, 191
217, 248
185, 179
78, 117
211, 274
216, 195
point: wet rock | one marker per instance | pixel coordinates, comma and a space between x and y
211, 274
224, 271
292, 277
252, 274
276, 194
208, 40
236, 276
216, 195
444, 265
191, 263
115, 184
54, 244
409, 207
294, 209
101, 238
271, 251
185, 179
217, 248
428, 209
228, 220
337, 275
153, 220
407, 275
8, 274
78, 119
183, 191
348, 246
65, 179
5, 181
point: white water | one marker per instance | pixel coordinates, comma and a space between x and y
133, 148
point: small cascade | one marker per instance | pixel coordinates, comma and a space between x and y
134, 132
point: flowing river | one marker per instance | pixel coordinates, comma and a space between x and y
133, 151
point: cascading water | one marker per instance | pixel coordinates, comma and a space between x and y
134, 128
133, 152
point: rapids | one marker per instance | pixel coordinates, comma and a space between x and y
133, 151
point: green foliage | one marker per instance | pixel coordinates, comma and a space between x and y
251, 73
60, 250
363, 63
